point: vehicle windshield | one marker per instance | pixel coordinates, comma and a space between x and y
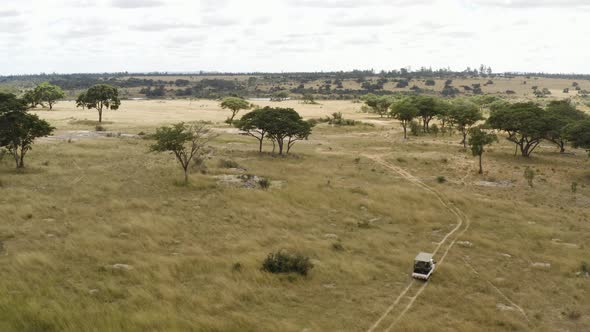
422, 267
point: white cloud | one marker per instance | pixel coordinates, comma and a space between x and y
133, 4
565, 4
291, 35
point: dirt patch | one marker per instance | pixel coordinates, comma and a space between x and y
85, 134
500, 183
247, 181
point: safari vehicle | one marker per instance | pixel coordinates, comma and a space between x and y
423, 266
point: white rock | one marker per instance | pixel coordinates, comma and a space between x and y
465, 244
122, 267
503, 307
330, 236
541, 265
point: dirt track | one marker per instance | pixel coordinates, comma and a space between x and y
462, 225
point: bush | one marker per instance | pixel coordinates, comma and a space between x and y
434, 129
264, 183
100, 128
223, 163
282, 262
337, 246
441, 179
529, 175
338, 119
415, 128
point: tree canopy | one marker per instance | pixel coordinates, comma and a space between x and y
379, 104
526, 124
100, 96
560, 115
463, 114
185, 141
405, 111
478, 140
49, 93
579, 134
234, 104
18, 128
283, 126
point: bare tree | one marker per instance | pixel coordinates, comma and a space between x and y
185, 141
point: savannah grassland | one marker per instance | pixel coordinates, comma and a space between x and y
86, 204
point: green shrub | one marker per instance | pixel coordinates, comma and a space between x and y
100, 128
283, 262
434, 129
415, 128
226, 163
264, 183
337, 246
441, 179
529, 175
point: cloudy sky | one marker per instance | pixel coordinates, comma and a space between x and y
292, 35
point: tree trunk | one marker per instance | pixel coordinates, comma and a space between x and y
50, 106
464, 141
260, 144
405, 132
16, 158
480, 167
100, 115
280, 143
561, 147
186, 175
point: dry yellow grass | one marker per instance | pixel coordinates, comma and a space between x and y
82, 207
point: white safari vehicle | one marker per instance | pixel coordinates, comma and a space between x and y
423, 266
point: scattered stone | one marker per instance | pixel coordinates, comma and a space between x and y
506, 255
248, 181
329, 286
48, 220
531, 223
330, 236
123, 234
501, 183
503, 307
93, 291
541, 265
465, 244
50, 235
122, 267
565, 244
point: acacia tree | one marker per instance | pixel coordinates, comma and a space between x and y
379, 104
280, 96
286, 124
253, 124
478, 140
81, 100
405, 111
31, 98
49, 93
427, 109
100, 96
185, 141
464, 114
526, 124
283, 126
560, 115
579, 134
234, 104
19, 129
